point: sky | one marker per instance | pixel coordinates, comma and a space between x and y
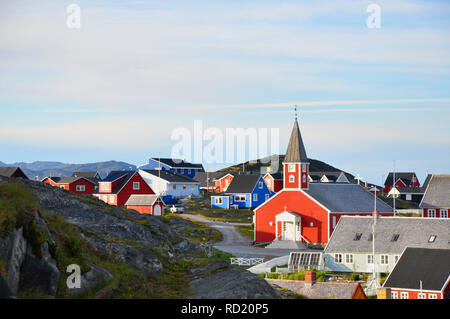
135, 72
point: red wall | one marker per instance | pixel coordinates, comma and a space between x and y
127, 190
296, 183
221, 185
300, 203
147, 209
438, 212
89, 187
413, 294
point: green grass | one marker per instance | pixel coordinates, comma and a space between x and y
246, 230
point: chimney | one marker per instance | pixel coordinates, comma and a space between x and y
310, 278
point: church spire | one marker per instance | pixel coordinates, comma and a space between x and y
296, 164
296, 152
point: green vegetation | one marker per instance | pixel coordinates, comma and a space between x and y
246, 230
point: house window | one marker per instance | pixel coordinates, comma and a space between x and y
239, 198
189, 171
260, 185
255, 197
432, 213
357, 236
62, 186
444, 213
267, 196
396, 258
384, 259
432, 296
182, 171
334, 221
404, 295
103, 186
304, 178
304, 168
338, 258
111, 199
349, 258
174, 187
291, 168
421, 295
370, 259
136, 186
291, 178
81, 188
408, 197
394, 295
218, 200
395, 237
184, 187
432, 238
105, 199
192, 187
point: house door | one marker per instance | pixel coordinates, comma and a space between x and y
287, 231
156, 210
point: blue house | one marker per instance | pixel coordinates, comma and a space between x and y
175, 165
245, 191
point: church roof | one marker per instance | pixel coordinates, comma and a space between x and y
295, 152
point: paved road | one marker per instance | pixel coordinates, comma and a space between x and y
236, 244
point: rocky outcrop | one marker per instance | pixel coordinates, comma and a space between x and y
12, 251
234, 283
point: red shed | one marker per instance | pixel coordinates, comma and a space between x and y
146, 204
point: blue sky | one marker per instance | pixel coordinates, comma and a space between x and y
137, 70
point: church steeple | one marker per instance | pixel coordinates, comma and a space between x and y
296, 164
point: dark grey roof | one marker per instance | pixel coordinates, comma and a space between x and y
170, 176
431, 266
413, 231
12, 171
437, 194
179, 163
427, 181
114, 175
404, 176
93, 175
64, 180
243, 184
295, 152
141, 200
212, 176
346, 198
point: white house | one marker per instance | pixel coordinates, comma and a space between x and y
167, 183
350, 248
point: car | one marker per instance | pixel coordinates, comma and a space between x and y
177, 209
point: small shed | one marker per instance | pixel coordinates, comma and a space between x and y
146, 204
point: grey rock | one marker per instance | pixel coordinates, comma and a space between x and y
12, 251
142, 258
90, 280
39, 274
235, 283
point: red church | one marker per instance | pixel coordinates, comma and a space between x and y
308, 212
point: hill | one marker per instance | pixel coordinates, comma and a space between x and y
255, 166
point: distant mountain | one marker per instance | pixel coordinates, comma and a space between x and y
41, 169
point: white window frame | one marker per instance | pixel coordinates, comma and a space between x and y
192, 187
408, 197
136, 186
239, 198
303, 168
404, 295
432, 296
103, 186
260, 185
349, 258
370, 259
431, 212
267, 197
444, 212
189, 171
304, 178
394, 295
255, 197
218, 200
81, 188
291, 168
384, 259
338, 258
111, 199
291, 178
421, 295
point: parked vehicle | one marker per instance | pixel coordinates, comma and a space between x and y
177, 209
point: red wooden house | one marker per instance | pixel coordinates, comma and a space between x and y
274, 181
402, 179
118, 186
222, 182
146, 204
309, 212
78, 185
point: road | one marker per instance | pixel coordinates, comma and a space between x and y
236, 244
